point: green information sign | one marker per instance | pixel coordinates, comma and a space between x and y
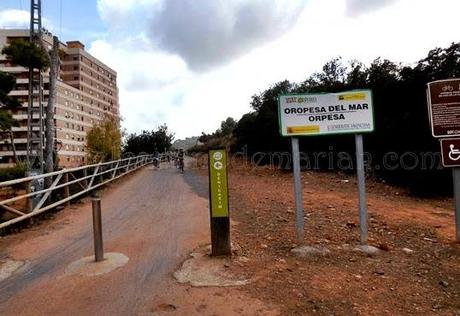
218, 183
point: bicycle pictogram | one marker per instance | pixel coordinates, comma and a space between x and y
447, 88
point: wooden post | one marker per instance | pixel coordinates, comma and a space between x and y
219, 203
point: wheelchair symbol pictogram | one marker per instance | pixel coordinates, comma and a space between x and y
454, 154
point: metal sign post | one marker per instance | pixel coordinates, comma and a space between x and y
456, 176
349, 112
444, 115
299, 221
219, 204
450, 153
361, 189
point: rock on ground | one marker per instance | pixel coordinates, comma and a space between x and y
203, 270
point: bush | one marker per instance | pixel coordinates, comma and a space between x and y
11, 173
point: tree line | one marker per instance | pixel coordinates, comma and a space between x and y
149, 142
402, 148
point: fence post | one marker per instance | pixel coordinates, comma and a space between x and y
66, 188
29, 199
101, 176
85, 174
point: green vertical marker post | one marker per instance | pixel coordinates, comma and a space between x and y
218, 201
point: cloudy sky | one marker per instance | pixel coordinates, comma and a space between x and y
192, 63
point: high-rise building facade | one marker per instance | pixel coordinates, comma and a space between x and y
86, 93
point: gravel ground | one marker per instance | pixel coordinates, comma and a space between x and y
417, 271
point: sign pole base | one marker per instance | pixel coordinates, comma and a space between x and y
220, 236
456, 177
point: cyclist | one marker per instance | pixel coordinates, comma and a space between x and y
180, 158
156, 159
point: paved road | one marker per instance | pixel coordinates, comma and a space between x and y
154, 217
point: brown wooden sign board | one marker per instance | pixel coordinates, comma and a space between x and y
444, 107
450, 150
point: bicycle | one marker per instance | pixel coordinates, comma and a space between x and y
181, 165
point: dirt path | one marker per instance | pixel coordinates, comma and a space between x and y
156, 217
153, 218
424, 280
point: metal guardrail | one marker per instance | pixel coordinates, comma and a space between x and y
67, 184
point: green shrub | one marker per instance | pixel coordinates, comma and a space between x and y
11, 173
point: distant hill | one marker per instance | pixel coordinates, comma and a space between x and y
187, 143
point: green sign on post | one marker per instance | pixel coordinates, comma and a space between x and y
218, 200
218, 183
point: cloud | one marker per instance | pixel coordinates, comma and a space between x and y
208, 33
126, 17
20, 19
11, 18
157, 87
138, 69
204, 33
359, 7
111, 11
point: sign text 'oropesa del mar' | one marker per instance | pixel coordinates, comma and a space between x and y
331, 113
